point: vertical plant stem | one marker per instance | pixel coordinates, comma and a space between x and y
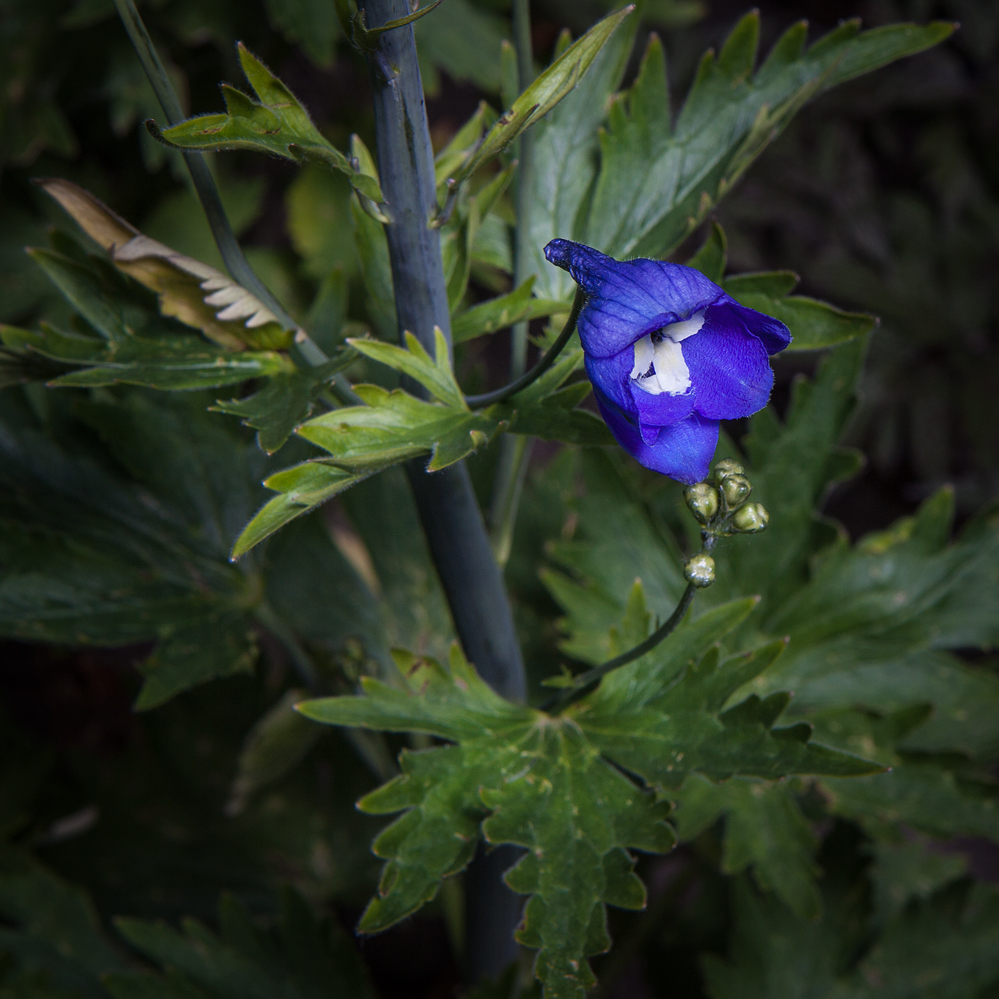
305, 350
450, 515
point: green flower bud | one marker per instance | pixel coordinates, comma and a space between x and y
702, 500
727, 467
700, 570
751, 518
736, 489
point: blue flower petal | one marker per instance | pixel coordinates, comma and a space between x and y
612, 377
774, 334
682, 451
662, 410
728, 366
627, 299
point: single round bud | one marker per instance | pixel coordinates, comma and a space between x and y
727, 467
736, 489
751, 518
702, 500
700, 570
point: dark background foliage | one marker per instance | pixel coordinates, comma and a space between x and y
884, 197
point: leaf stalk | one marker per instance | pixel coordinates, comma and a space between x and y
549, 358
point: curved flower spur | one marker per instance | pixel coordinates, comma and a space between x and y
669, 355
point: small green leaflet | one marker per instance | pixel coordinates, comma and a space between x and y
275, 123
543, 94
284, 401
556, 785
393, 426
764, 828
498, 313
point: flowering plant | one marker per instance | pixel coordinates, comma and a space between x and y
630, 723
669, 355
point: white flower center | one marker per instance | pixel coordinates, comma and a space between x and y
659, 364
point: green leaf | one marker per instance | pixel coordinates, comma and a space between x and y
910, 590
462, 144
393, 427
284, 402
301, 489
764, 828
51, 928
175, 361
711, 258
275, 745
297, 957
220, 646
554, 84
813, 324
556, 785
655, 187
910, 870
946, 946
309, 23
463, 40
575, 812
565, 156
617, 540
89, 558
499, 313
275, 123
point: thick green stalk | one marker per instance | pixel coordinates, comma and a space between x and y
445, 500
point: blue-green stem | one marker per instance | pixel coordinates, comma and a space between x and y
305, 350
448, 510
515, 451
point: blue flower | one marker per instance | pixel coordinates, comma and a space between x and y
669, 355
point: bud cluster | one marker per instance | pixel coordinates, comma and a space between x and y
720, 502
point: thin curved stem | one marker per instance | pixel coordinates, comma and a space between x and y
304, 349
550, 355
585, 682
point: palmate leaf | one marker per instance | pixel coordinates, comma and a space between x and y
90, 558
275, 123
656, 184
868, 627
298, 957
764, 828
946, 946
556, 785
